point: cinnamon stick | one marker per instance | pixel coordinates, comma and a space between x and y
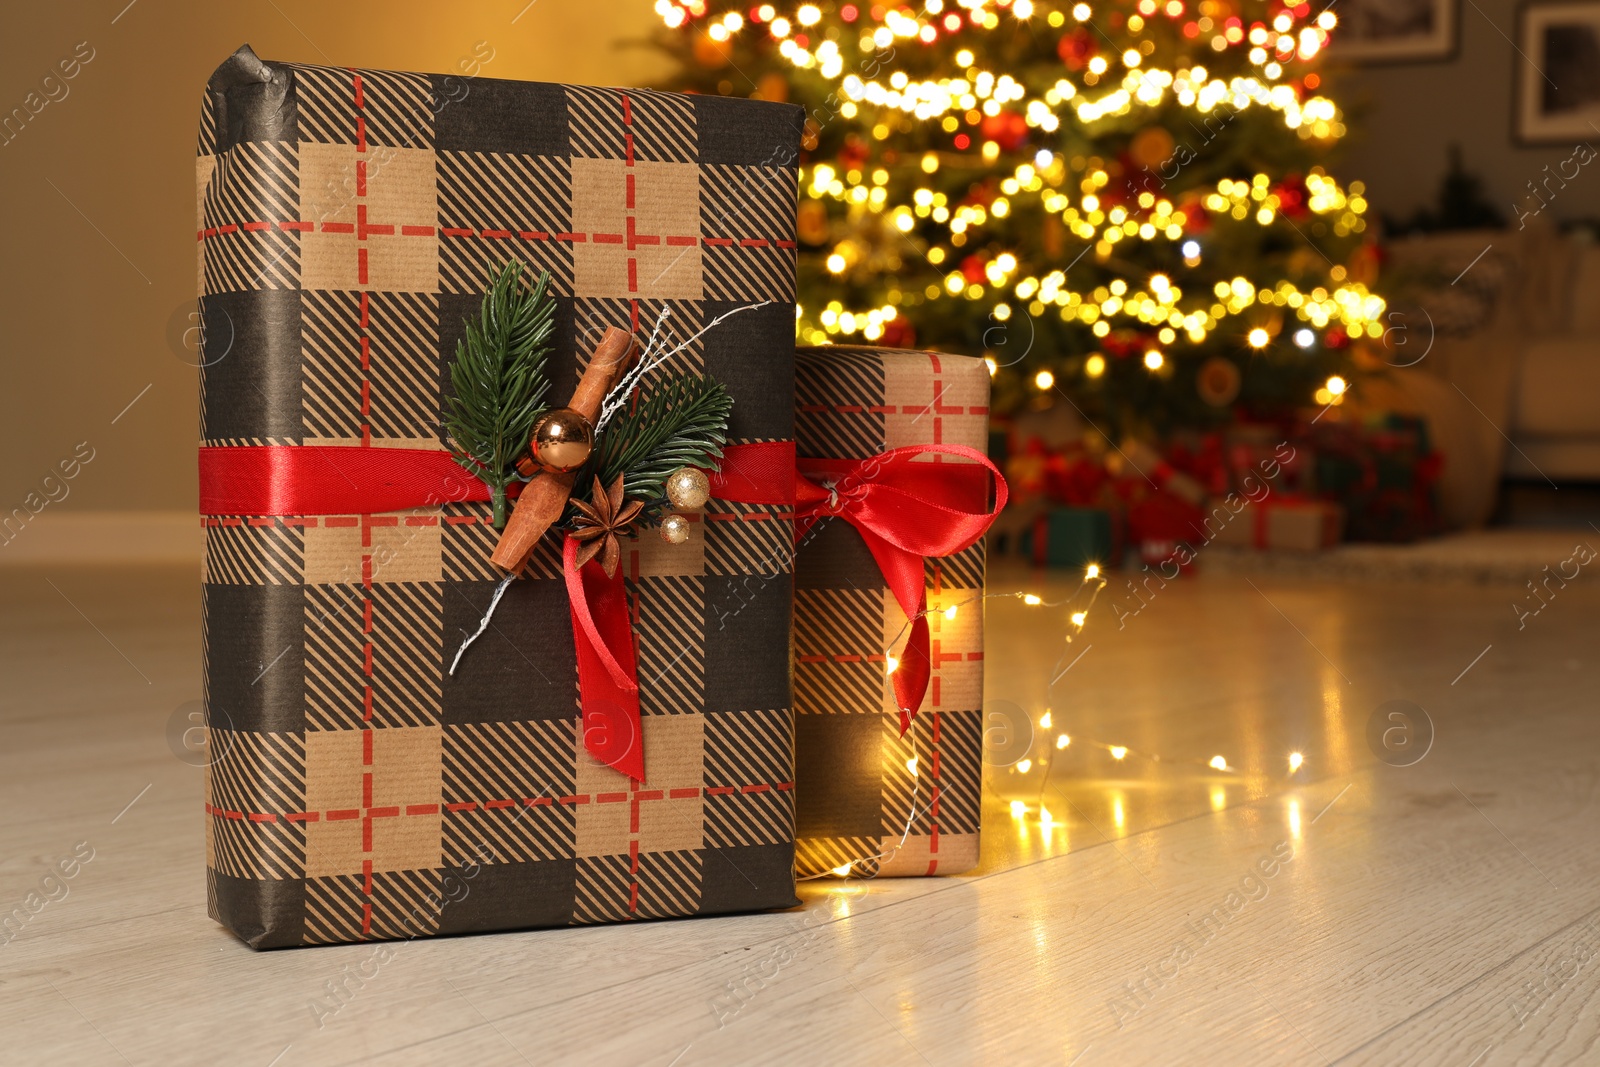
545, 498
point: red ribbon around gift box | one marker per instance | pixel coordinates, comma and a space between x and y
904, 510
344, 480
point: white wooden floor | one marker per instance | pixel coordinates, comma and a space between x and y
1446, 912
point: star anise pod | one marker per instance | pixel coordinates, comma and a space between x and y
600, 522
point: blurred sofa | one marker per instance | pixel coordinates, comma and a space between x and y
1555, 404
1500, 351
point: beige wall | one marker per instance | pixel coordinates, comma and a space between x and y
98, 202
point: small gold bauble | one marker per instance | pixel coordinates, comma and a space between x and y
562, 440
1218, 381
688, 488
674, 529
1151, 146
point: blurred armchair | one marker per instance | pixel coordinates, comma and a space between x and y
1511, 382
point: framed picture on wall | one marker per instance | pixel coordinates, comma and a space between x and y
1558, 72
1394, 31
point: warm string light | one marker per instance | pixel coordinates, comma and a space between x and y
1020, 809
982, 92
867, 81
1092, 583
1122, 752
1077, 617
845, 870
1117, 752
1332, 393
1093, 580
1348, 306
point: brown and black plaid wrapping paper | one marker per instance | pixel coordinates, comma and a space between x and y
856, 784
349, 220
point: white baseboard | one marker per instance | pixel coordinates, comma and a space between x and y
103, 537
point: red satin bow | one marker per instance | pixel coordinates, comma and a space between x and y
608, 674
345, 480
905, 509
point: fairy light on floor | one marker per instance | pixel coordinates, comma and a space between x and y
1078, 615
1216, 764
1078, 606
870, 864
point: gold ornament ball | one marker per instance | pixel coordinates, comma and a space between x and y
1151, 146
675, 529
562, 440
688, 488
1218, 381
812, 222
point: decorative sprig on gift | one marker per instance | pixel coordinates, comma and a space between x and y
598, 524
651, 453
500, 381
681, 423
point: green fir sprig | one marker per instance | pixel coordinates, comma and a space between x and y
500, 381
680, 422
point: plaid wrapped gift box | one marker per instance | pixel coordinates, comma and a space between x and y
855, 783
349, 220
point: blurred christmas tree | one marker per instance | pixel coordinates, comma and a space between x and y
1121, 202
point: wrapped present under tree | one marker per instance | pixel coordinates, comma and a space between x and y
889, 575
351, 222
1383, 472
